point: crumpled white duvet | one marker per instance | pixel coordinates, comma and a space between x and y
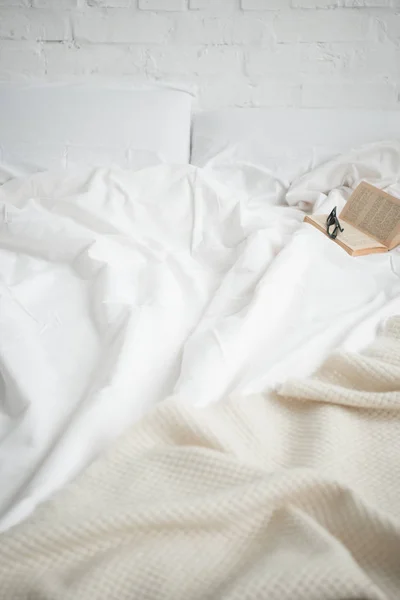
119, 289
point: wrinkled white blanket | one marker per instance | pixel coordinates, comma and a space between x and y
118, 290
291, 497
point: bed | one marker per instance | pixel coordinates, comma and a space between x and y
188, 308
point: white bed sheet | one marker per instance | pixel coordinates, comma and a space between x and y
118, 290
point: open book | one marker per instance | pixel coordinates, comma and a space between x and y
370, 221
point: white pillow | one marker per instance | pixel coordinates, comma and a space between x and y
56, 125
289, 142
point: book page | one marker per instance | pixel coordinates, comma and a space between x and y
351, 237
374, 212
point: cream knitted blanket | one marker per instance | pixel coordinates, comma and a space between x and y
268, 497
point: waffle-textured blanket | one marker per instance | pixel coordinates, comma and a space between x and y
289, 496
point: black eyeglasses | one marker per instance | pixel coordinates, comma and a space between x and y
333, 225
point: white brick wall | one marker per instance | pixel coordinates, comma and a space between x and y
315, 53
